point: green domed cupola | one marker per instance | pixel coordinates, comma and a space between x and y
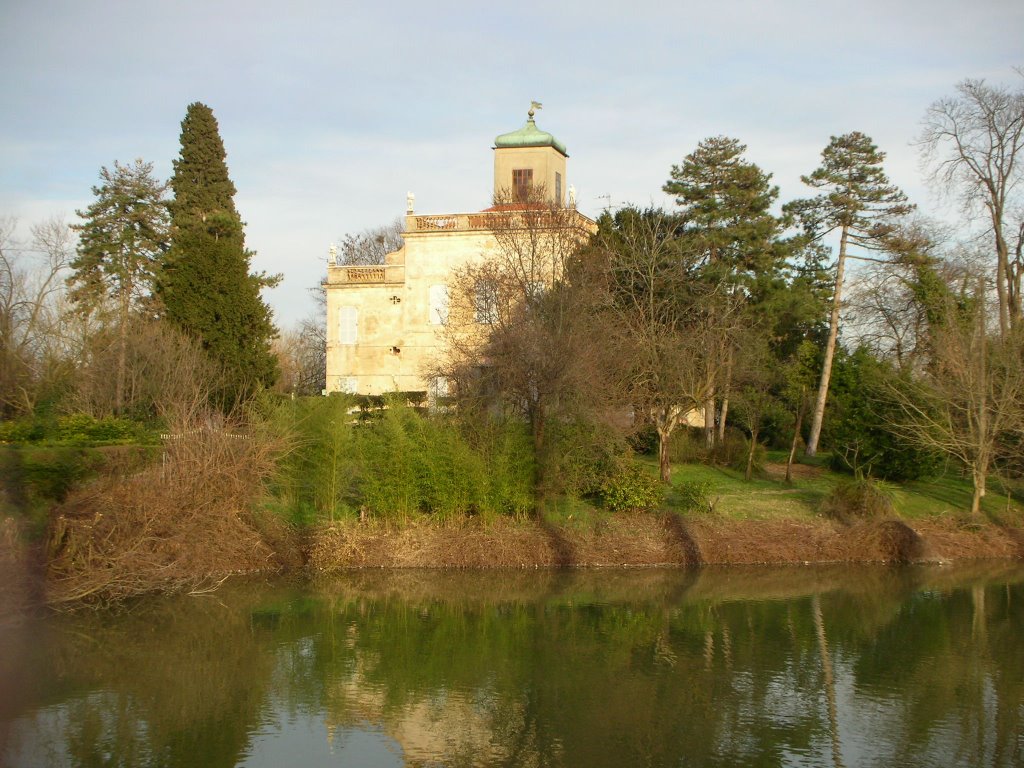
529, 136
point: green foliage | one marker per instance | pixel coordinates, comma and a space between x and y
397, 462
730, 451
317, 476
856, 194
687, 446
412, 463
726, 202
579, 456
645, 441
693, 494
860, 498
82, 428
860, 423
26, 430
630, 489
123, 233
205, 283
34, 478
75, 429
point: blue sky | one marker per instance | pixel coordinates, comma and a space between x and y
332, 111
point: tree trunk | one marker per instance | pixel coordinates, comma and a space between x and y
122, 355
709, 422
979, 469
725, 397
830, 349
1003, 278
749, 474
664, 465
796, 440
978, 476
665, 420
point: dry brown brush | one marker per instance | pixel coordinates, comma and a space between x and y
185, 522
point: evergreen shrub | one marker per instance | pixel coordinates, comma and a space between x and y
731, 451
686, 446
860, 498
860, 418
693, 494
630, 489
580, 456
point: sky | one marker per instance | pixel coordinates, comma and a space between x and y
331, 112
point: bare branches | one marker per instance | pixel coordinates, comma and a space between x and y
970, 398
31, 292
184, 522
520, 322
974, 145
668, 344
371, 246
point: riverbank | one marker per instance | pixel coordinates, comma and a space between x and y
656, 539
759, 522
130, 532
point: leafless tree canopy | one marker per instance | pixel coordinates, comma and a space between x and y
666, 339
521, 329
885, 312
969, 401
34, 337
973, 143
370, 246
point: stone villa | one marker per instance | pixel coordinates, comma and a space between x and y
385, 323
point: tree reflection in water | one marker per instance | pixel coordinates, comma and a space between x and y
719, 667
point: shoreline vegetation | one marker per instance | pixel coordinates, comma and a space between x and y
125, 520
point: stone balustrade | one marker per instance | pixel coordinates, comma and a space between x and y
492, 220
383, 273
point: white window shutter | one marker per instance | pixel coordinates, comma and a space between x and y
348, 325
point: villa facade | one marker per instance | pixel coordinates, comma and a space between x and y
386, 323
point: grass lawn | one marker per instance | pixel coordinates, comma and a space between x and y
768, 497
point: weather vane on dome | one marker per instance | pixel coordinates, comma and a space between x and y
534, 106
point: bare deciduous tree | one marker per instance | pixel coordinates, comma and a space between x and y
887, 312
370, 246
33, 354
972, 395
520, 329
974, 144
658, 321
167, 375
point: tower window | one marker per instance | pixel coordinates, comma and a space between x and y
522, 180
558, 188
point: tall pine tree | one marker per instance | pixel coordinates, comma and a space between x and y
122, 235
726, 203
205, 284
857, 200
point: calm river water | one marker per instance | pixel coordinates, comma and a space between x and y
803, 667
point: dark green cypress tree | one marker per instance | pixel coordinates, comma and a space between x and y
205, 284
